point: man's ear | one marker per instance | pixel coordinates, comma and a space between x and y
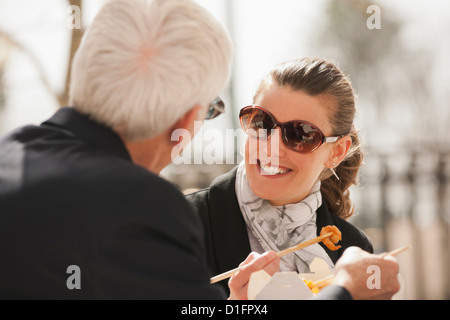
186, 122
340, 149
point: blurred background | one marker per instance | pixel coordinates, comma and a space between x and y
398, 70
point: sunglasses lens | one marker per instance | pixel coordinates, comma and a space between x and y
256, 122
216, 108
299, 136
212, 113
302, 137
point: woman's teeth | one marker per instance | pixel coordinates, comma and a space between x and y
272, 170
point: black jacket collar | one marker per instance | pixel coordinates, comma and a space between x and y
225, 215
81, 126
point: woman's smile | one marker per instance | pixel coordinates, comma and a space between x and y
272, 171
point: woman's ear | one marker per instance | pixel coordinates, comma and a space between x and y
339, 151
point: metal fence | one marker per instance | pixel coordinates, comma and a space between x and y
404, 198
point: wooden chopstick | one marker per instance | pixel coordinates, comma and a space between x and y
225, 275
396, 251
304, 244
284, 252
329, 279
319, 284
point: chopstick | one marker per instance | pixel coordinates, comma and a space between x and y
284, 252
329, 279
304, 244
396, 251
323, 282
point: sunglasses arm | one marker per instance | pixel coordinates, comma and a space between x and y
331, 139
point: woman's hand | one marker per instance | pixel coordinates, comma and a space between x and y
238, 283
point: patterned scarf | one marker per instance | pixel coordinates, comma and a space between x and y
278, 228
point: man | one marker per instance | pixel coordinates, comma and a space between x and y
83, 214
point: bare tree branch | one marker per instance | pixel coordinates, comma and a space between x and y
13, 43
76, 36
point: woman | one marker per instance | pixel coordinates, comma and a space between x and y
284, 195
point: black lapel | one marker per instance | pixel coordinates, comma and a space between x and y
230, 239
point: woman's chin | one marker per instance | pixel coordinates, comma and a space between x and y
269, 190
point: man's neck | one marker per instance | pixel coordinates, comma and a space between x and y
152, 154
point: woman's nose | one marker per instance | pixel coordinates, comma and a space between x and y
275, 144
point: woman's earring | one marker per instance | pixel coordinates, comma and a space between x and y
334, 172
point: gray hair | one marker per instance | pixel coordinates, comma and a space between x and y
142, 64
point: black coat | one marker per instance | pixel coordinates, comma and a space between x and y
227, 243
70, 195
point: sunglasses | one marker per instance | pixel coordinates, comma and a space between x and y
298, 135
216, 108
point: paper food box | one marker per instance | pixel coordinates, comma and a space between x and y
292, 285
286, 285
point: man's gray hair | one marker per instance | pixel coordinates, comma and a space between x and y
143, 64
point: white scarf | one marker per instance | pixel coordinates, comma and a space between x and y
278, 228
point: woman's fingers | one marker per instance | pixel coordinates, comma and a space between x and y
273, 266
238, 283
252, 256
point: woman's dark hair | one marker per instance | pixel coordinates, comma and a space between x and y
318, 77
